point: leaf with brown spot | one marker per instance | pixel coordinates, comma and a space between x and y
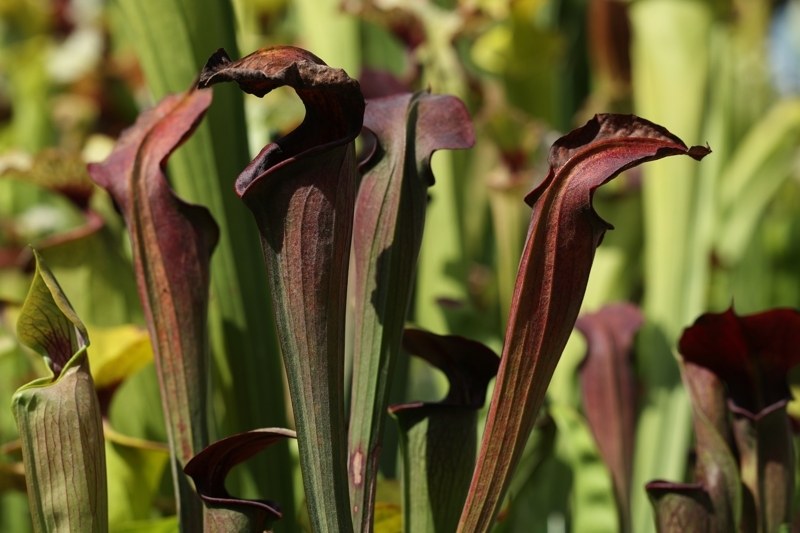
562, 237
389, 220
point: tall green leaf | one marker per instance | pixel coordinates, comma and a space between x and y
670, 65
389, 220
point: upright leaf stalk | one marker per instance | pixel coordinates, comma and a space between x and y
301, 190
562, 237
172, 243
389, 220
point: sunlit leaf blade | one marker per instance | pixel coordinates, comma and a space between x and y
160, 525
301, 190
389, 220
172, 243
438, 441
210, 467
135, 470
117, 353
562, 237
680, 508
760, 165
59, 417
608, 386
670, 74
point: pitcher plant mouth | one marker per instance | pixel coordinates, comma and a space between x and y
333, 102
752, 354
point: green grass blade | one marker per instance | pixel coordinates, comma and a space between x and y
670, 68
760, 165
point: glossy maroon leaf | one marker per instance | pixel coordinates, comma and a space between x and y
680, 507
562, 237
608, 386
438, 440
301, 190
210, 467
172, 243
389, 220
751, 354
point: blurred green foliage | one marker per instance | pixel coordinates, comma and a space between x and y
689, 238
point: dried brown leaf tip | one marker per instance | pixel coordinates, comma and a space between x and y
333, 100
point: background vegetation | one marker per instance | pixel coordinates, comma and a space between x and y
689, 238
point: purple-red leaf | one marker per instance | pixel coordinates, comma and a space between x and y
301, 190
751, 354
562, 237
680, 507
172, 243
210, 467
608, 387
438, 440
389, 219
